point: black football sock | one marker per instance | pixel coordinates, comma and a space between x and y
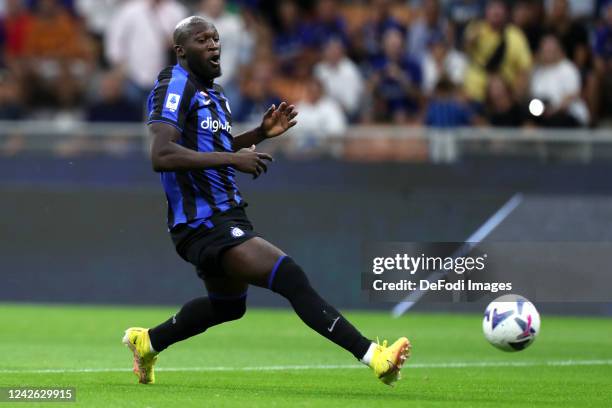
289, 280
195, 317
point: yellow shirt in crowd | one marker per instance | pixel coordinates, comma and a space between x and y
517, 58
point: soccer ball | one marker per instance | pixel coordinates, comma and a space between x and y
511, 323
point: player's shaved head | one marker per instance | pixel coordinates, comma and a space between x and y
197, 47
185, 27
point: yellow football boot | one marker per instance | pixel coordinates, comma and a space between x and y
388, 361
137, 339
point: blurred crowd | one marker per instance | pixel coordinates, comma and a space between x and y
442, 63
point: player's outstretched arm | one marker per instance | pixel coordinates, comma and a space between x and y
167, 155
275, 122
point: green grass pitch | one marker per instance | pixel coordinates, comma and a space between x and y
269, 359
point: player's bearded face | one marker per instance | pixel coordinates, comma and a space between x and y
203, 54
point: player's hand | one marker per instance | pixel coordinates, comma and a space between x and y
251, 162
277, 120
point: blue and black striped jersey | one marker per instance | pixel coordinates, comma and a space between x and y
203, 117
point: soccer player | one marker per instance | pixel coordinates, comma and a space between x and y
193, 149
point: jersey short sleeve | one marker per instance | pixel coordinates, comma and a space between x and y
170, 100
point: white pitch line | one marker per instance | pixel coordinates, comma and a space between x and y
485, 364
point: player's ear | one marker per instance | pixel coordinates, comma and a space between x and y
180, 51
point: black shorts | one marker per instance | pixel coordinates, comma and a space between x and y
203, 246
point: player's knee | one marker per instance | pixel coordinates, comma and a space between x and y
226, 310
288, 278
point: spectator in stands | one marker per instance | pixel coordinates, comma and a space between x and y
603, 64
321, 117
572, 34
327, 24
290, 40
528, 15
395, 82
58, 57
138, 42
97, 15
575, 41
11, 100
235, 39
502, 108
340, 77
11, 108
603, 36
460, 13
430, 24
495, 47
258, 95
14, 25
111, 105
446, 108
556, 82
367, 42
441, 60
53, 33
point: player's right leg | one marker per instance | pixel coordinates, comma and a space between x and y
260, 263
226, 301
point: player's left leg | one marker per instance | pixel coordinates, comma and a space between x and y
226, 301
260, 263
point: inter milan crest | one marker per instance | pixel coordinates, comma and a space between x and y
237, 232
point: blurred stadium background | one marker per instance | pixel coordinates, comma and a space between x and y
417, 122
